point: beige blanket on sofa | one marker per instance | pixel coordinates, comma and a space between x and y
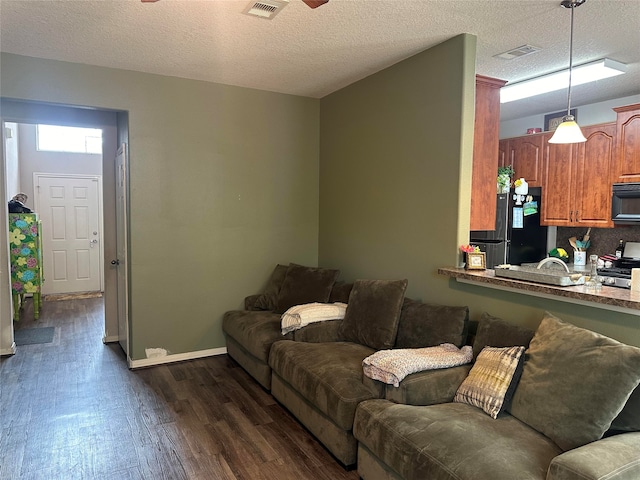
300, 316
391, 366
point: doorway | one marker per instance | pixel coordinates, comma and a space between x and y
114, 126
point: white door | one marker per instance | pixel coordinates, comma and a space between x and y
121, 248
69, 208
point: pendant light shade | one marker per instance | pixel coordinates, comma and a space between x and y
569, 131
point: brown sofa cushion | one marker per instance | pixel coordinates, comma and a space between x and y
428, 325
268, 299
574, 383
451, 441
495, 332
628, 420
305, 285
327, 375
256, 331
373, 312
340, 292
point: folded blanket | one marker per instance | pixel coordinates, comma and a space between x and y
391, 366
299, 316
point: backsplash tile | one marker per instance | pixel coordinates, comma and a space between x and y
603, 240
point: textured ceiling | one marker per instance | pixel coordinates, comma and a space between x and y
315, 52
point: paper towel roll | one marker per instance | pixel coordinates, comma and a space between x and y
635, 279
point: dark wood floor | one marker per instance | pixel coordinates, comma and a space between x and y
72, 410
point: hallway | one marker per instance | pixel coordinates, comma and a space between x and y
71, 409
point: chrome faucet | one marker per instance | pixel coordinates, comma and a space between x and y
553, 260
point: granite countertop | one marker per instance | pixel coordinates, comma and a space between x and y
609, 297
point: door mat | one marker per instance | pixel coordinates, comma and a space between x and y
31, 336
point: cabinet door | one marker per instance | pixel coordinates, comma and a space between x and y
593, 177
525, 154
557, 184
503, 153
628, 144
485, 147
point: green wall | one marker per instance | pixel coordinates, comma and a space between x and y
395, 177
223, 181
226, 182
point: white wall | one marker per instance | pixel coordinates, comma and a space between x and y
7, 346
32, 160
586, 115
11, 158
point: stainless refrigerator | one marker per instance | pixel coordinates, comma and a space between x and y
518, 238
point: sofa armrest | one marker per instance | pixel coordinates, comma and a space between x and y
319, 332
613, 458
250, 302
429, 387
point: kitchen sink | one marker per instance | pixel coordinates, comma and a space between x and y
550, 276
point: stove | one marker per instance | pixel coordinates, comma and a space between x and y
615, 277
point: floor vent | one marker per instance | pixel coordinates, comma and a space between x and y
266, 9
518, 52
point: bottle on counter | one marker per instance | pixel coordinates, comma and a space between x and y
620, 249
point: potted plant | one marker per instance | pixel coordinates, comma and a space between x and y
504, 178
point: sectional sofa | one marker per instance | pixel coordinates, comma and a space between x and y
568, 408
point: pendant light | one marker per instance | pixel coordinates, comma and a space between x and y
569, 131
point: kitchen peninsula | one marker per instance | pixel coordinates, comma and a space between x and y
609, 298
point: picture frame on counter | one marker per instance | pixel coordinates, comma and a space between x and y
476, 261
552, 120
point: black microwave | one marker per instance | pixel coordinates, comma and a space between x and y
625, 203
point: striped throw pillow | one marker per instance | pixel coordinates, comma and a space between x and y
492, 379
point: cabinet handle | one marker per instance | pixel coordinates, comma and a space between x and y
577, 216
571, 216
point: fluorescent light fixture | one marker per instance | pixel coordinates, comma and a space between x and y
588, 72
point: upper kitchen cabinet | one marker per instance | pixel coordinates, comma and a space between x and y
503, 153
628, 144
485, 150
558, 180
577, 181
525, 154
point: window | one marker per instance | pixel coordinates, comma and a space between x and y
54, 138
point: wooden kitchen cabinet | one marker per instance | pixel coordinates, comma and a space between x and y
525, 154
485, 149
503, 153
577, 179
628, 144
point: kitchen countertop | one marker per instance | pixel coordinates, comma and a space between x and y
610, 298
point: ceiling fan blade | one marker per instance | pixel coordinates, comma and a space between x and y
315, 3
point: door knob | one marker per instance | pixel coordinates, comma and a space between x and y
115, 262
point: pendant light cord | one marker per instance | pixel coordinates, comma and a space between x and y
573, 7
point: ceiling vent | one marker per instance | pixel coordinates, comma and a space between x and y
266, 9
518, 52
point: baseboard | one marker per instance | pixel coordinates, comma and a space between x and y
110, 339
8, 351
178, 357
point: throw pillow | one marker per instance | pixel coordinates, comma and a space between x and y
340, 292
492, 379
428, 325
628, 420
268, 299
495, 332
574, 382
373, 312
305, 285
